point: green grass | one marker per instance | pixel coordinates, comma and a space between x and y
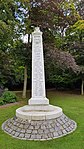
73, 106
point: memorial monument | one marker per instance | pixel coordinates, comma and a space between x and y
38, 120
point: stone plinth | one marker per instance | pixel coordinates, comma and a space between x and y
39, 112
38, 101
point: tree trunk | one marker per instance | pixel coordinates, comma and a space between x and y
82, 87
25, 82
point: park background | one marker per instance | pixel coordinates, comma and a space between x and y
62, 24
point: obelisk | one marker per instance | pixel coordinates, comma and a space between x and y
38, 76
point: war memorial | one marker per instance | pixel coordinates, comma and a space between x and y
38, 120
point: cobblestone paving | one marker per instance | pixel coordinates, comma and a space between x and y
39, 130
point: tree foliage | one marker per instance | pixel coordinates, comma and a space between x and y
63, 29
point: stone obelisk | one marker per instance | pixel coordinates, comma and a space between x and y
38, 76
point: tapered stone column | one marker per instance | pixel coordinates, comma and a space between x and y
38, 76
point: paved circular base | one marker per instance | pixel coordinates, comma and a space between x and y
39, 129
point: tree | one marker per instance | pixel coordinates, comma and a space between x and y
37, 13
8, 22
7, 34
6, 68
75, 45
80, 8
82, 79
26, 15
21, 53
11, 28
61, 68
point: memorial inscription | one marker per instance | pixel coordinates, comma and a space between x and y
38, 78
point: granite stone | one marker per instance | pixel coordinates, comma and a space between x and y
39, 130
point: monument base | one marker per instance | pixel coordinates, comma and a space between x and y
39, 129
38, 101
40, 112
39, 123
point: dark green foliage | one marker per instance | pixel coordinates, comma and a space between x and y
1, 90
9, 97
1, 101
62, 27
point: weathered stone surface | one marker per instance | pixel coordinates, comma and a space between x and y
21, 135
27, 136
29, 131
34, 132
48, 126
43, 127
14, 128
55, 134
22, 130
33, 136
52, 130
64, 131
21, 125
38, 136
39, 130
37, 127
19, 129
10, 130
13, 133
17, 134
31, 127
60, 132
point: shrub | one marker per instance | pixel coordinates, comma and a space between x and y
9, 97
1, 101
1, 90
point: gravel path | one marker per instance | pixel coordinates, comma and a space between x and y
10, 104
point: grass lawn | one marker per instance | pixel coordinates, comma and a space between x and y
73, 106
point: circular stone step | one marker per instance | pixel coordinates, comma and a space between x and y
39, 129
43, 112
